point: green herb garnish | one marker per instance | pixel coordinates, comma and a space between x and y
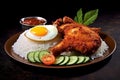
87, 18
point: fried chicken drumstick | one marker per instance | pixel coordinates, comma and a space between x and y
76, 37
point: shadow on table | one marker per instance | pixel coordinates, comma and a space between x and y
70, 72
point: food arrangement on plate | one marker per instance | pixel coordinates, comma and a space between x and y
66, 41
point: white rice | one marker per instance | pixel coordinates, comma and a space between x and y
101, 50
23, 45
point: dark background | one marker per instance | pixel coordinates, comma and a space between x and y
11, 12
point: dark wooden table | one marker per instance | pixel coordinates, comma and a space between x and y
108, 69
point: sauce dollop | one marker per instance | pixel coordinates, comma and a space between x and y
33, 21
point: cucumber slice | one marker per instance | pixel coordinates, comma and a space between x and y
36, 56
30, 57
86, 59
65, 60
59, 59
80, 59
42, 53
73, 60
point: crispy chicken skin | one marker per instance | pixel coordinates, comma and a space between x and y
76, 37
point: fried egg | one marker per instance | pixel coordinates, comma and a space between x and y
42, 32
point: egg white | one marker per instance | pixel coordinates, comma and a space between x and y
51, 34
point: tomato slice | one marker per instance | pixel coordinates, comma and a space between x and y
48, 59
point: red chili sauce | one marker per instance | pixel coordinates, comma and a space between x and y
33, 21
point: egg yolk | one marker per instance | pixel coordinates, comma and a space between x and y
39, 31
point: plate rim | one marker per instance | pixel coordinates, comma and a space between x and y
54, 66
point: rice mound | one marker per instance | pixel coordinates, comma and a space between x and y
23, 45
101, 50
